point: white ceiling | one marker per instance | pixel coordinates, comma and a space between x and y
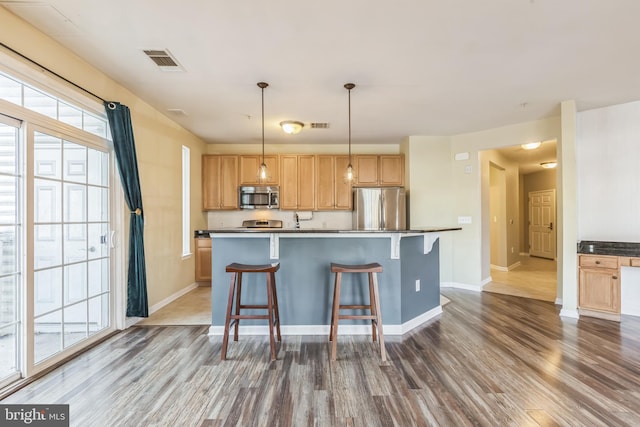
421, 67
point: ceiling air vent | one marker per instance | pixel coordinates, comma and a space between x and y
319, 125
164, 60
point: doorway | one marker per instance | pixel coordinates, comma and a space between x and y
514, 268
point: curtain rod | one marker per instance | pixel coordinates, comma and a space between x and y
52, 72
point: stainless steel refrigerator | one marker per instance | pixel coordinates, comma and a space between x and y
379, 208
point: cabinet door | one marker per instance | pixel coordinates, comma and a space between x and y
391, 170
289, 182
228, 179
306, 182
599, 290
343, 197
203, 259
366, 167
249, 165
210, 182
325, 182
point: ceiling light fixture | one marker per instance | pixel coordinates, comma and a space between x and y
349, 172
262, 170
549, 165
531, 145
291, 127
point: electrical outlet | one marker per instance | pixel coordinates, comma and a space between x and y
417, 285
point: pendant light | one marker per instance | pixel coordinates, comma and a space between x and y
349, 172
262, 170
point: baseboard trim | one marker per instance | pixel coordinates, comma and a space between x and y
171, 298
342, 330
558, 301
465, 286
599, 314
569, 313
130, 321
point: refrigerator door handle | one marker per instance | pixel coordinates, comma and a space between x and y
381, 207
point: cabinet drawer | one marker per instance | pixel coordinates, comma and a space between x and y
203, 242
629, 262
598, 261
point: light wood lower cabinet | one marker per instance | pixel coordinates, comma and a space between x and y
203, 259
599, 286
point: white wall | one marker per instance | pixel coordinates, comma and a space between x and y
608, 170
471, 258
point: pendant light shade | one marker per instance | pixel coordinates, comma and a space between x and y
349, 172
262, 170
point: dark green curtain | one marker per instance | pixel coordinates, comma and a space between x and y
125, 149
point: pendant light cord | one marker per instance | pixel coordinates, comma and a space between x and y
349, 86
349, 126
262, 88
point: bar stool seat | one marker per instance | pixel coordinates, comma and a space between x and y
374, 304
235, 290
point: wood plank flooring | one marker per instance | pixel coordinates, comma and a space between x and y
488, 360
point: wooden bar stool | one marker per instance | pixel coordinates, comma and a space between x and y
235, 288
374, 304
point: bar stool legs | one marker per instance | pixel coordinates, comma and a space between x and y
374, 304
233, 317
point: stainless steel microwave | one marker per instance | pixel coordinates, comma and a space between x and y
259, 197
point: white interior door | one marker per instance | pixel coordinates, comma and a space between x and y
542, 224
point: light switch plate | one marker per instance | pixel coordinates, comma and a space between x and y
464, 220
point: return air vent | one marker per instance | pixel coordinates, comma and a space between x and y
164, 60
319, 125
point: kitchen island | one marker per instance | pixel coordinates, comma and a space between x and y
409, 284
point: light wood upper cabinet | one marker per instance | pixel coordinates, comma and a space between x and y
382, 170
391, 169
332, 192
249, 165
306, 182
343, 197
366, 170
297, 178
219, 182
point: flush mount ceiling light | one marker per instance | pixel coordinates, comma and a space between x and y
531, 145
262, 170
549, 165
349, 171
291, 127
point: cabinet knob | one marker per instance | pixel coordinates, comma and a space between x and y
614, 277
597, 262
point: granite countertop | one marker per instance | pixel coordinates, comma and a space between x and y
205, 233
609, 248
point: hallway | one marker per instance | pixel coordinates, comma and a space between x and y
535, 278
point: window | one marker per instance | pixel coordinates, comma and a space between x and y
55, 227
186, 202
24, 95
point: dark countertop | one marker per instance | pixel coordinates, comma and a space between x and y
205, 233
594, 247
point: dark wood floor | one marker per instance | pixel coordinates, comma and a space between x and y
490, 360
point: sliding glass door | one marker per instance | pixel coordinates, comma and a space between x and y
11, 265
71, 296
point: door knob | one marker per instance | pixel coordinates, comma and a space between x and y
550, 226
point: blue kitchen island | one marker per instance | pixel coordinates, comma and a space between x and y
409, 284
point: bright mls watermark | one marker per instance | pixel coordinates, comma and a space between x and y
34, 415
